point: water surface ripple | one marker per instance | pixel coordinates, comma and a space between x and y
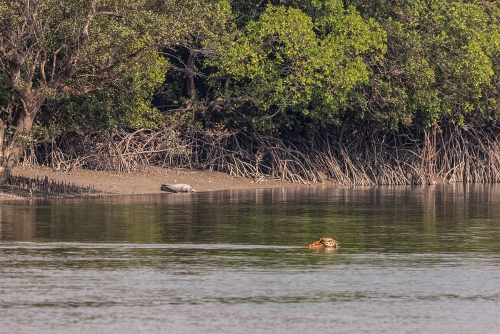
412, 260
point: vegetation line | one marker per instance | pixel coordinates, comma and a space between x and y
361, 92
459, 155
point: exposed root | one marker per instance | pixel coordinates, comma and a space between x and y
256, 157
467, 154
25, 187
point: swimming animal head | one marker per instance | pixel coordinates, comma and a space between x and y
324, 243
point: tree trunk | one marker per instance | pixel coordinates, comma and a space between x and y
190, 76
3, 175
11, 151
191, 87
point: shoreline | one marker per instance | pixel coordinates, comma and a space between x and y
147, 181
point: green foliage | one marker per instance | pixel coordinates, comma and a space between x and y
93, 63
289, 62
441, 59
207, 33
157, 26
124, 104
254, 64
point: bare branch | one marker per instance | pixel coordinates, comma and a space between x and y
54, 61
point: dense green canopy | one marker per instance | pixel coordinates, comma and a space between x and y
307, 65
269, 65
441, 63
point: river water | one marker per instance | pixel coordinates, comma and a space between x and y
411, 260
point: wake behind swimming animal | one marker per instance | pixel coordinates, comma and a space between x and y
324, 243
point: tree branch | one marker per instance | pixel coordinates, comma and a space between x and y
72, 61
54, 60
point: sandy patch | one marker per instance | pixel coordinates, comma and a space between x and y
149, 182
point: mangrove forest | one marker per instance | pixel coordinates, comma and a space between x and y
379, 92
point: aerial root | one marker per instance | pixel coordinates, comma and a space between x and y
467, 154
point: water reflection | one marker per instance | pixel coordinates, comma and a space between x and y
411, 259
403, 219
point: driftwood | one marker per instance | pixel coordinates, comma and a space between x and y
177, 188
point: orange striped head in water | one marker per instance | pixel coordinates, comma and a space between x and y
324, 243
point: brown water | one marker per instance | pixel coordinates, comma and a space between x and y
412, 259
